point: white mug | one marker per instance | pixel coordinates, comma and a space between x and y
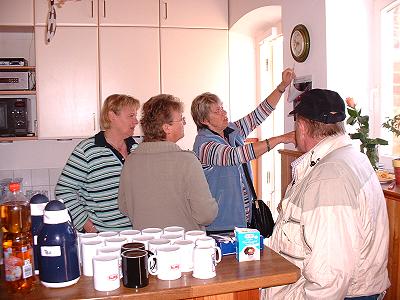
174, 230
172, 237
186, 248
115, 241
154, 244
166, 263
107, 234
111, 250
106, 273
143, 239
89, 250
155, 232
204, 261
193, 235
130, 234
206, 241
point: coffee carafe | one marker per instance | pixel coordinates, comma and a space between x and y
57, 240
37, 204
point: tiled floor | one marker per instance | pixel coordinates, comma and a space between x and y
34, 180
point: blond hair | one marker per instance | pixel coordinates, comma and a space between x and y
115, 103
201, 108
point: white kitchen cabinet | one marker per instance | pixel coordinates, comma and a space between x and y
194, 61
128, 13
68, 13
67, 82
16, 12
194, 13
129, 61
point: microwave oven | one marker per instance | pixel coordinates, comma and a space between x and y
15, 116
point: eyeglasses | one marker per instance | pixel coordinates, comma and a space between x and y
183, 120
219, 110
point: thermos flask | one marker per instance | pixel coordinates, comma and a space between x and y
57, 240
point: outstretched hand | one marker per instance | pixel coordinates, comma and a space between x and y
288, 138
287, 76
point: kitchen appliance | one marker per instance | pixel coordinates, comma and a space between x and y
13, 61
16, 80
15, 116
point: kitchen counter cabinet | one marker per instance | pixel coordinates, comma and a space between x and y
393, 207
234, 281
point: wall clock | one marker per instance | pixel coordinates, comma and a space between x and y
300, 43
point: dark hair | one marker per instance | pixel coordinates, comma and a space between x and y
156, 112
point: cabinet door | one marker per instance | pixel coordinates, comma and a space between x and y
194, 61
16, 12
129, 62
128, 12
194, 13
67, 82
68, 13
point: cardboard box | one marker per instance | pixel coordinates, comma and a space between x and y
227, 242
247, 244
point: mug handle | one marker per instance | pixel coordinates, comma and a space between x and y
218, 249
151, 264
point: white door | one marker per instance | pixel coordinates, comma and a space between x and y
68, 13
67, 82
16, 12
128, 12
194, 13
194, 61
271, 67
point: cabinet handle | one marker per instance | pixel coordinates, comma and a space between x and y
165, 10
94, 122
104, 9
92, 10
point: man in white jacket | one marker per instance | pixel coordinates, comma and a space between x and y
333, 221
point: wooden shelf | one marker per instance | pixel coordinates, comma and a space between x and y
17, 68
17, 138
21, 92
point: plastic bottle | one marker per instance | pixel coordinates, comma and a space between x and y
15, 220
37, 203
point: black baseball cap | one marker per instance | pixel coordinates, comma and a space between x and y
320, 105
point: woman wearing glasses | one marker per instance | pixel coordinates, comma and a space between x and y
221, 149
161, 184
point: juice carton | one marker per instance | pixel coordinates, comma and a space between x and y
247, 244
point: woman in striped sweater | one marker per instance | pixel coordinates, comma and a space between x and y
89, 182
220, 147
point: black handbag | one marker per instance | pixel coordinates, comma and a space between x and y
261, 217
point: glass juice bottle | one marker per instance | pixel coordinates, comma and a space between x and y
15, 221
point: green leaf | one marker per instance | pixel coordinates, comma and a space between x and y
380, 141
363, 120
352, 112
355, 136
351, 120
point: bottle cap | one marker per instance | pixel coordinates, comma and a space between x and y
14, 187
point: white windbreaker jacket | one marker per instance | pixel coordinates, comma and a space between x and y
333, 225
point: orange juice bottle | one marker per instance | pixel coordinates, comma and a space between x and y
15, 221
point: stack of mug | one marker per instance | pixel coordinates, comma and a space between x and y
133, 254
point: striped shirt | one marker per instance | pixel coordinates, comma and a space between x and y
216, 154
89, 184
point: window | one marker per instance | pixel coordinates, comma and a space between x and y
389, 69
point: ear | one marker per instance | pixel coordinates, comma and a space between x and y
205, 122
167, 128
111, 115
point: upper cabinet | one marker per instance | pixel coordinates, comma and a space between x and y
69, 13
128, 13
67, 82
194, 13
16, 13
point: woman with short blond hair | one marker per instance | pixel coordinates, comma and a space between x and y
89, 182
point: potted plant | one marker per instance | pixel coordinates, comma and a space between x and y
368, 145
393, 125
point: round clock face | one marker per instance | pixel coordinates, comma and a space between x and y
300, 43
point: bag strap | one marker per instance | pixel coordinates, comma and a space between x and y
249, 181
